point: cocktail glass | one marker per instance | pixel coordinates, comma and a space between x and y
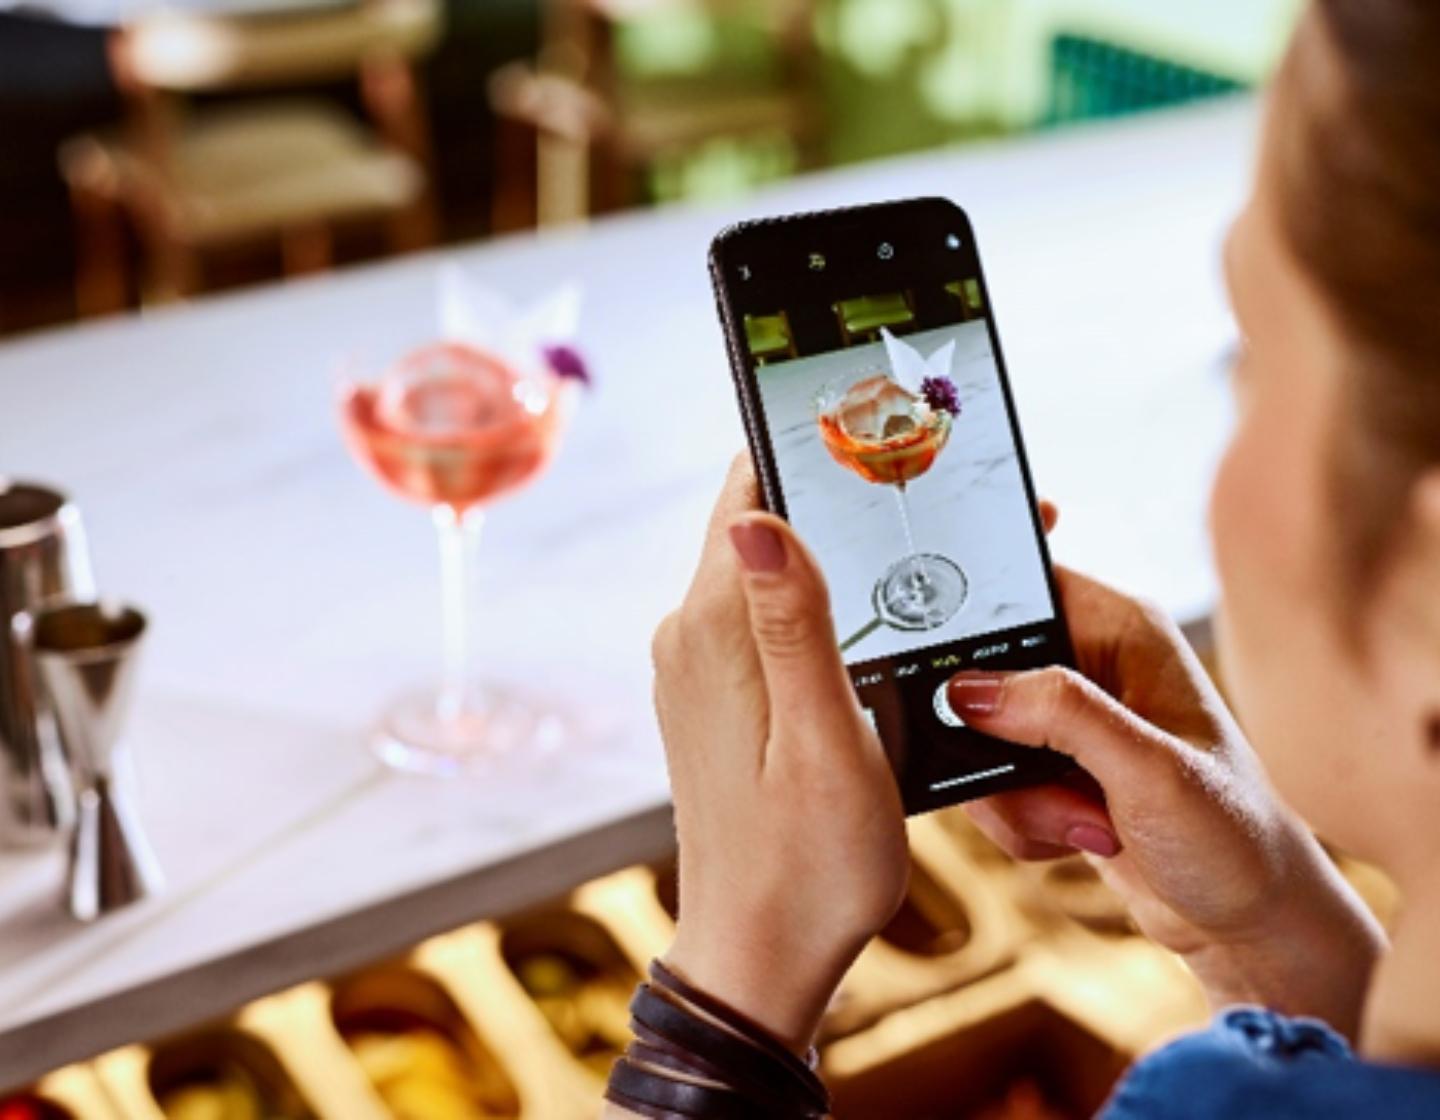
887, 435
454, 428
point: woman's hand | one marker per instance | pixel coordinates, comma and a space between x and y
791, 830
1208, 860
792, 838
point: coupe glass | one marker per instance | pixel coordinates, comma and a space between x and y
454, 428
873, 426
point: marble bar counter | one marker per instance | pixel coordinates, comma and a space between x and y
289, 598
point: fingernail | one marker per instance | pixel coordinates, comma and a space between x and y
1093, 839
759, 546
976, 693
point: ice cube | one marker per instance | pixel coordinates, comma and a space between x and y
441, 391
898, 426
877, 408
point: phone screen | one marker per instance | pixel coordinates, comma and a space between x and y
882, 425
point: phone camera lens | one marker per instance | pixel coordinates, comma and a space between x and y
817, 262
952, 241
886, 251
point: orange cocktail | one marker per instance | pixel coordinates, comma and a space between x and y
890, 435
881, 431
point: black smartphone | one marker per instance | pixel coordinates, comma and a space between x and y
867, 360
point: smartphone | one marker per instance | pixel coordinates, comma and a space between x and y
879, 414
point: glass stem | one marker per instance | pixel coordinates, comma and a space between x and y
918, 578
459, 535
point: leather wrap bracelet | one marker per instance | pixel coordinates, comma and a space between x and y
684, 1098
741, 1024
698, 1058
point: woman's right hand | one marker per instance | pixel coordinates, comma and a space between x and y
1210, 863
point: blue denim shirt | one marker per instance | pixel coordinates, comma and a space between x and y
1252, 1063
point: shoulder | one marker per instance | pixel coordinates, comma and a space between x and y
1253, 1063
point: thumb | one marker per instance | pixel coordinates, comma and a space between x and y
790, 621
1058, 708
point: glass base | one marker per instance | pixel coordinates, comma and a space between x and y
495, 724
921, 592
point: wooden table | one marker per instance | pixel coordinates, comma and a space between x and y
289, 597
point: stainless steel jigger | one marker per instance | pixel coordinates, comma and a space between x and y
86, 657
42, 557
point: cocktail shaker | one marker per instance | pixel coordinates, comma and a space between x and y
43, 555
86, 654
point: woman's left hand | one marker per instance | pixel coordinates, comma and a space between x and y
792, 836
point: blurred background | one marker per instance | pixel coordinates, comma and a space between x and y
150, 154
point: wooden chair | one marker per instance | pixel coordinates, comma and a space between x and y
966, 293
288, 170
861, 319
576, 136
769, 337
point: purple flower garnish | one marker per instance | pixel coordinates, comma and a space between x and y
941, 395
565, 361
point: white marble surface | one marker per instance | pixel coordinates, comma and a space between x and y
969, 506
289, 597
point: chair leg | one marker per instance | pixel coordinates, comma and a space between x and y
515, 187
307, 249
396, 104
100, 272
414, 227
563, 180
613, 178
101, 275
174, 270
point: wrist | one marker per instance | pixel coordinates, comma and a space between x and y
785, 992
1314, 955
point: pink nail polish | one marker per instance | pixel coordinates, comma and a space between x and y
975, 693
1093, 839
759, 546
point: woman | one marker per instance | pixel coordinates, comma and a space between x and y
1325, 519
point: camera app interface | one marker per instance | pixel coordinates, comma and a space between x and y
899, 465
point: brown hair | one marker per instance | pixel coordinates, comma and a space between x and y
1358, 175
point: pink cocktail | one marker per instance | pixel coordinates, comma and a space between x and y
453, 428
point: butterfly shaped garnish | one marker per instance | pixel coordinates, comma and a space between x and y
490, 321
928, 378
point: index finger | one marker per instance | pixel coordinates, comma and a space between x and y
740, 494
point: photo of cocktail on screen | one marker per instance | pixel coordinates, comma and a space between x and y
889, 427
899, 466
